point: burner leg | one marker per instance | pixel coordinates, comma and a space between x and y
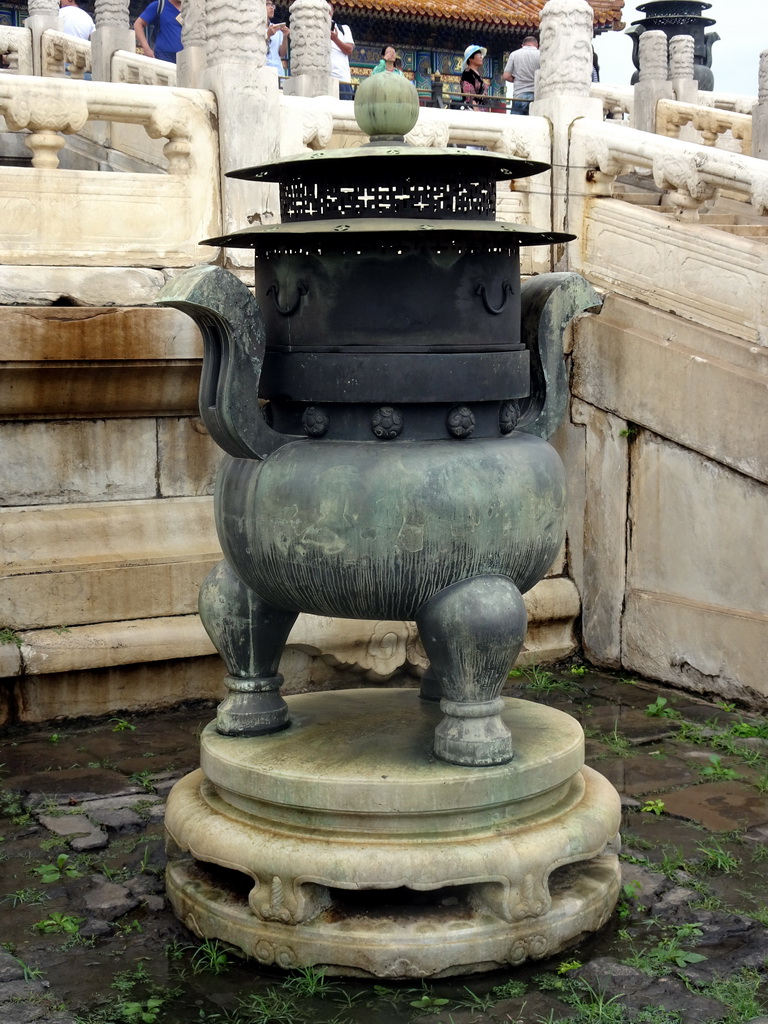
250, 635
472, 632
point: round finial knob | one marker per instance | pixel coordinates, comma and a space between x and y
386, 106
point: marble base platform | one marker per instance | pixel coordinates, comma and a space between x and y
342, 842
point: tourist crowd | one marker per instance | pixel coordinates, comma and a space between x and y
158, 34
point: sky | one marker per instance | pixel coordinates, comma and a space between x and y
743, 29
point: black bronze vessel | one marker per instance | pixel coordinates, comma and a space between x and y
399, 466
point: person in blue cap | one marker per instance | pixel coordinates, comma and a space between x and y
472, 82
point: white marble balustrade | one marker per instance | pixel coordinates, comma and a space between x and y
711, 123
736, 102
114, 219
692, 173
136, 69
618, 100
16, 47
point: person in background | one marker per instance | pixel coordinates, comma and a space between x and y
74, 21
595, 67
342, 45
472, 82
277, 42
521, 69
168, 39
388, 63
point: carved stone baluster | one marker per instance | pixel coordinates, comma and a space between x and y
684, 85
176, 151
566, 49
112, 33
74, 58
168, 122
562, 95
310, 50
43, 15
760, 112
44, 118
44, 147
43, 8
654, 61
51, 57
681, 57
653, 84
669, 121
237, 33
194, 34
710, 127
744, 133
247, 93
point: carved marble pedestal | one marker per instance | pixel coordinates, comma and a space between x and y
341, 841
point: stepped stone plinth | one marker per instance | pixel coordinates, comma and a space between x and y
343, 842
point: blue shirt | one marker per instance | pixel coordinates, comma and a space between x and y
168, 39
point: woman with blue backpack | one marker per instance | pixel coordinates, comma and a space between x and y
158, 29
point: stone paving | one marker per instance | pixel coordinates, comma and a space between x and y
83, 900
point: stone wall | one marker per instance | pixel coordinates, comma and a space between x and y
665, 448
666, 452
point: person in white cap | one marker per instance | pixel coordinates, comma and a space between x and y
472, 82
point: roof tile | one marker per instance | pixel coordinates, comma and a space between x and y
514, 13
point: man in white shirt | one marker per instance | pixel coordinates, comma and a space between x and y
342, 45
521, 69
74, 21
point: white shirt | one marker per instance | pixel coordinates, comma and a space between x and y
274, 60
339, 59
74, 21
523, 65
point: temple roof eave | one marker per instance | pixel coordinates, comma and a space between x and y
505, 15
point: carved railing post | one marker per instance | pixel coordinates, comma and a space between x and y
566, 49
43, 14
562, 95
654, 57
190, 63
310, 50
112, 33
684, 85
760, 112
653, 84
247, 97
